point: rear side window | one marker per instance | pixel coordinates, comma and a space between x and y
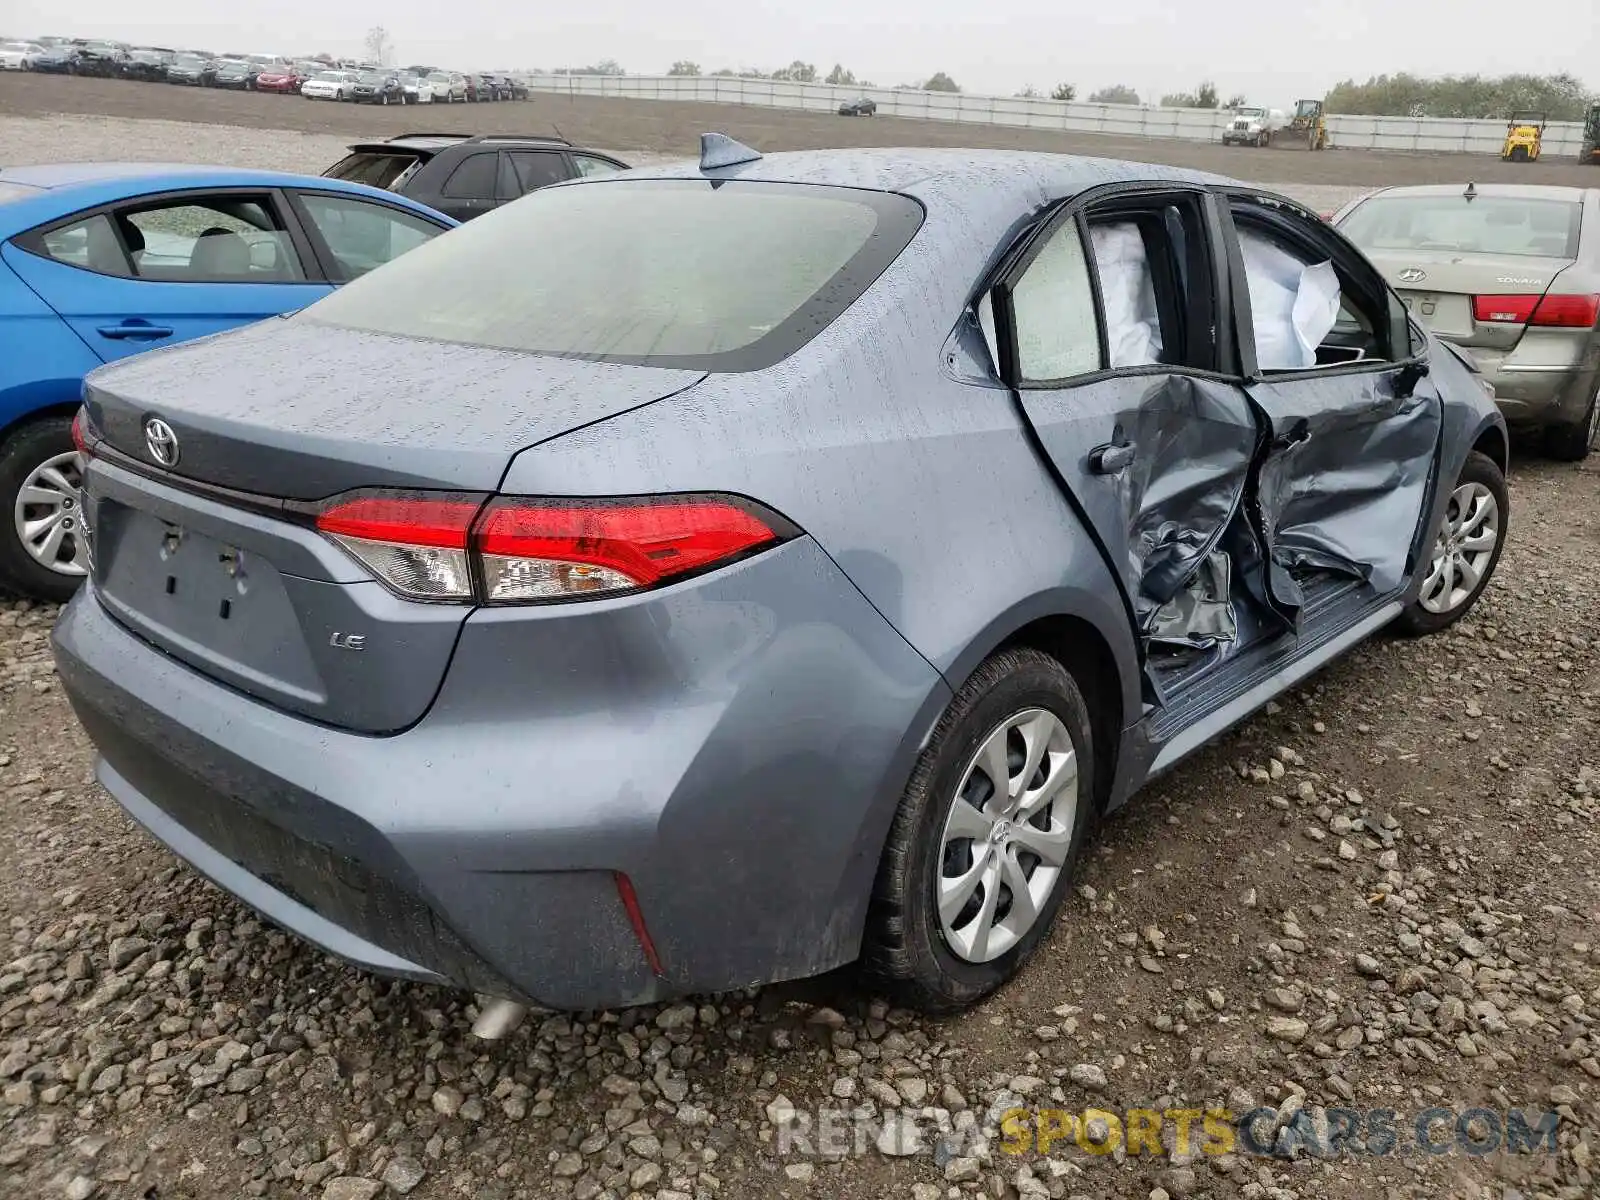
91, 244
1058, 331
473, 178
536, 169
588, 164
374, 170
1482, 225
678, 272
362, 236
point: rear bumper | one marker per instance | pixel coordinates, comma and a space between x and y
1544, 397
735, 746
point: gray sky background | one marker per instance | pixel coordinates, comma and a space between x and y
986, 45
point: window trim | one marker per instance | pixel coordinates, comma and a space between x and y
1318, 235
332, 270
32, 240
1015, 262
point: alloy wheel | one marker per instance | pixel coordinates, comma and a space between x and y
1007, 836
48, 517
1463, 550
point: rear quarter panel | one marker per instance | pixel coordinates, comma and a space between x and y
42, 362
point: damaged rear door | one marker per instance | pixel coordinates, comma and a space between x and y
1352, 421
1105, 322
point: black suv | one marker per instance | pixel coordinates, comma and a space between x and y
467, 175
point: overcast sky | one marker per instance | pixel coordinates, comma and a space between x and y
1265, 50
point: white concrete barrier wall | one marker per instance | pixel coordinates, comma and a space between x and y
1562, 138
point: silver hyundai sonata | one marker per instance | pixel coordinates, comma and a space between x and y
1511, 273
743, 568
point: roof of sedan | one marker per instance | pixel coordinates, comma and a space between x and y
922, 169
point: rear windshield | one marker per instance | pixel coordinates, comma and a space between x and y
374, 170
1483, 225
661, 272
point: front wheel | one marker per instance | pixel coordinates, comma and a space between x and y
982, 847
43, 554
1466, 549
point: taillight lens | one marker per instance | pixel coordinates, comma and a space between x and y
429, 546
416, 543
1552, 311
80, 440
552, 550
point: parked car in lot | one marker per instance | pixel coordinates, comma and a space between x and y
416, 89
378, 87
282, 80
60, 59
864, 107
1511, 274
103, 59
680, 447
449, 87
191, 70
468, 175
329, 85
236, 73
19, 56
101, 261
477, 90
147, 64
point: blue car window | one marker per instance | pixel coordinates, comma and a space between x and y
361, 235
91, 244
227, 240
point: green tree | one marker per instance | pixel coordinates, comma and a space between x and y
1064, 91
1564, 97
1237, 100
1204, 96
1119, 93
1028, 93
940, 82
840, 77
684, 67
797, 72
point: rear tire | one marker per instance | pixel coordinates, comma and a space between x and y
21, 456
1441, 605
946, 839
1572, 443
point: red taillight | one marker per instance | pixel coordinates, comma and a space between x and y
415, 542
552, 549
428, 546
1506, 310
79, 440
1568, 312
1552, 311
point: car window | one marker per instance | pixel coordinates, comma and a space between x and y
588, 164
473, 178
361, 235
725, 275
374, 170
226, 240
537, 169
91, 244
1057, 328
1514, 225
1309, 308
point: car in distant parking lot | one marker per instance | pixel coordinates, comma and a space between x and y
280, 80
467, 175
864, 107
329, 85
378, 87
191, 70
58, 59
98, 58
448, 87
1510, 273
101, 261
147, 64
415, 88
236, 73
19, 56
758, 565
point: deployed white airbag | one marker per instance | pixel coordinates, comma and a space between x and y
1133, 326
1294, 304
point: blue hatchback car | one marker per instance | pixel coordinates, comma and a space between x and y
100, 261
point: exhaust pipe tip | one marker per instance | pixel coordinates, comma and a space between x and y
497, 1018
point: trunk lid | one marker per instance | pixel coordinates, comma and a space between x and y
244, 590
1442, 298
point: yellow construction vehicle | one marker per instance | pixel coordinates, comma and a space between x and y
1308, 122
1524, 137
1589, 153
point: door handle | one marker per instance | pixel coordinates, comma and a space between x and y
1108, 460
128, 331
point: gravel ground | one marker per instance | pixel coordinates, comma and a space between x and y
1381, 893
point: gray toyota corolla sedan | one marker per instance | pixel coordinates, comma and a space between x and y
1510, 272
716, 574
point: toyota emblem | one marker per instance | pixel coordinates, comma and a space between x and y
161, 442
1413, 275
